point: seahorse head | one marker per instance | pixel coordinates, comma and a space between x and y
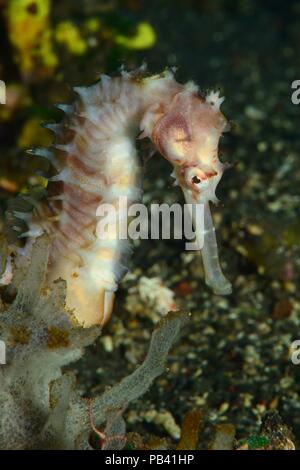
187, 132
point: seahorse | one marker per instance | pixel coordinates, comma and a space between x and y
94, 161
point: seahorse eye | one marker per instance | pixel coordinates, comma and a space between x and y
196, 180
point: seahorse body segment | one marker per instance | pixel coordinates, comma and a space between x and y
94, 161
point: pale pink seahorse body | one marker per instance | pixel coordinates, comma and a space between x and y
97, 163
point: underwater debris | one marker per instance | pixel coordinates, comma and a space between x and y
40, 405
144, 38
273, 435
30, 34
147, 442
150, 297
8, 185
254, 442
224, 437
279, 436
191, 427
189, 432
165, 420
68, 34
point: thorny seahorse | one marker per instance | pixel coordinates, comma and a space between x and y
95, 162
